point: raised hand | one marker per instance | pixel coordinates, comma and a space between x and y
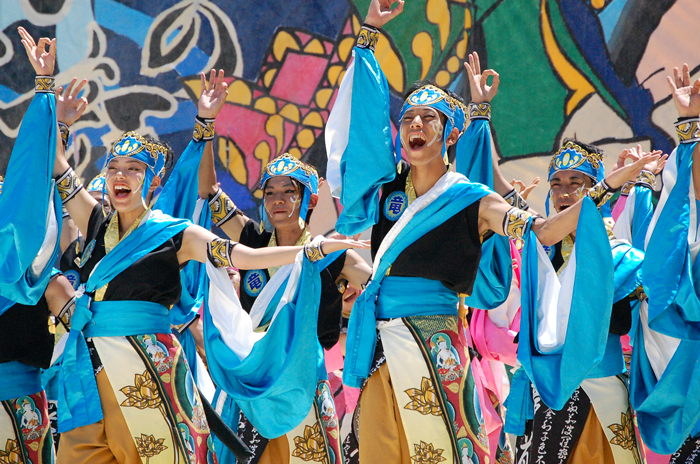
213, 95
69, 107
42, 61
654, 167
685, 96
380, 12
522, 189
622, 172
478, 81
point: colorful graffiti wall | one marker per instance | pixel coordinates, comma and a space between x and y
594, 69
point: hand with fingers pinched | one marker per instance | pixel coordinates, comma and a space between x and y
213, 94
69, 105
381, 12
622, 172
42, 61
685, 96
633, 154
524, 191
478, 81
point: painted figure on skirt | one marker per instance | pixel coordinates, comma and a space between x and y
428, 229
290, 193
30, 289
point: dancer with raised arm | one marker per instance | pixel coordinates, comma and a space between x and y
427, 246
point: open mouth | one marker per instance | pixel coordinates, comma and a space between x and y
350, 295
121, 191
563, 207
416, 141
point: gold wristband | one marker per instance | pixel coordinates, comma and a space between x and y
203, 129
368, 37
480, 110
313, 250
689, 130
646, 179
219, 252
514, 223
600, 193
44, 84
513, 198
65, 132
222, 208
68, 185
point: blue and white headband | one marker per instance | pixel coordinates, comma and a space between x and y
438, 99
288, 166
97, 184
135, 146
573, 157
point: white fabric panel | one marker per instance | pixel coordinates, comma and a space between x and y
549, 317
623, 226
660, 348
233, 322
204, 382
338, 130
198, 207
268, 292
50, 241
228, 315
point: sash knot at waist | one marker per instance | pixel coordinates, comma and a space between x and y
389, 298
79, 400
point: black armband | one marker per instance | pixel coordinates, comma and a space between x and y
480, 110
222, 208
203, 129
68, 185
44, 84
219, 252
688, 130
368, 37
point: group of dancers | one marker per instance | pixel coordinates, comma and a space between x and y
484, 331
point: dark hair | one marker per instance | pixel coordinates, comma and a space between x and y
585, 146
169, 154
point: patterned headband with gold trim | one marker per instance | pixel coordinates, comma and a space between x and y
573, 157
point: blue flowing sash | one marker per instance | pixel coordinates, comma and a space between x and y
79, 400
473, 153
26, 199
558, 374
668, 408
275, 384
361, 340
674, 306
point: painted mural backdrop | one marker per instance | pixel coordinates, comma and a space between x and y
594, 69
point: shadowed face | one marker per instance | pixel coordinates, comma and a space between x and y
567, 188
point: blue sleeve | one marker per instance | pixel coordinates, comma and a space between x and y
29, 198
359, 143
473, 153
674, 306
